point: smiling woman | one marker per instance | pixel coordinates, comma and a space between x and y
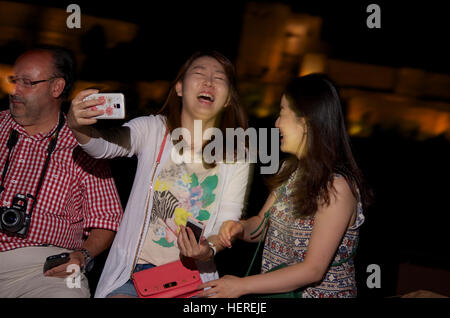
313, 214
204, 91
166, 193
205, 81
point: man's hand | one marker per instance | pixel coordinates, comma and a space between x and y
60, 271
98, 241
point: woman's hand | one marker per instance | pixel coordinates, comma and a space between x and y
190, 248
82, 114
229, 230
226, 287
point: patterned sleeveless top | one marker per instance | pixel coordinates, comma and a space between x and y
287, 242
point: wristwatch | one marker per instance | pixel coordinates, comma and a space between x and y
88, 260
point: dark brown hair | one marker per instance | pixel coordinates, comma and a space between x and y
233, 116
328, 151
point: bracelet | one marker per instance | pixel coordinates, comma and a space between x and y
213, 247
88, 260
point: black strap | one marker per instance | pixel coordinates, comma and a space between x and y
13, 137
264, 221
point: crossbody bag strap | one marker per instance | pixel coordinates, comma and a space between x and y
158, 159
264, 221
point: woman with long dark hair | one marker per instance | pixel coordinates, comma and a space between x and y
315, 208
167, 192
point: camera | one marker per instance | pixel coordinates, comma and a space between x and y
14, 220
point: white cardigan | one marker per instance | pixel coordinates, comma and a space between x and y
144, 138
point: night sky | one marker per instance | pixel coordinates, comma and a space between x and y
412, 34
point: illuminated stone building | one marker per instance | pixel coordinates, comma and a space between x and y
278, 44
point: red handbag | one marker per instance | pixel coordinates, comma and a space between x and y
172, 280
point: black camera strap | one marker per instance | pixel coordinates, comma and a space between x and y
13, 137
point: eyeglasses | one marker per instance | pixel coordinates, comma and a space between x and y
25, 82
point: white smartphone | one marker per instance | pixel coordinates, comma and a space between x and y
196, 227
114, 105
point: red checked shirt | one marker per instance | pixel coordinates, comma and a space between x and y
78, 192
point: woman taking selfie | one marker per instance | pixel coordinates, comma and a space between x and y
166, 193
314, 211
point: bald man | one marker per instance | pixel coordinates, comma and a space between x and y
54, 198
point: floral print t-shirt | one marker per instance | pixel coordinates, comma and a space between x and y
181, 191
287, 242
